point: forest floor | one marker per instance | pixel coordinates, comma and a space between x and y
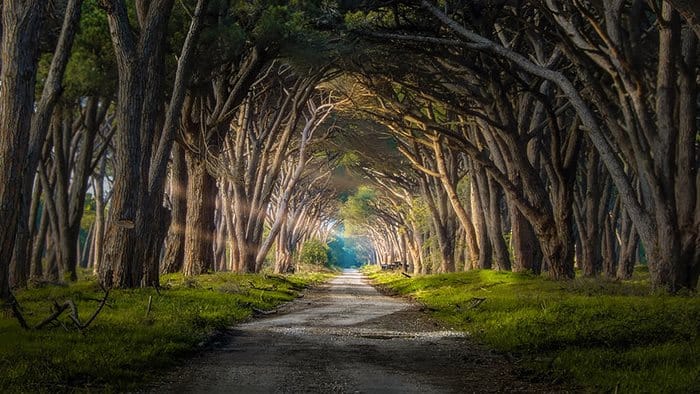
346, 337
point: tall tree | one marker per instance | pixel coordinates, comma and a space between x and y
21, 20
144, 138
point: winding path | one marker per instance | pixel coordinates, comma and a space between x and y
347, 338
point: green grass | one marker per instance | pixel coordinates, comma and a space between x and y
597, 334
124, 347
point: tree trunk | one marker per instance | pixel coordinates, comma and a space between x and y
451, 190
21, 258
527, 255
158, 219
39, 126
220, 240
478, 213
201, 207
175, 242
495, 227
98, 187
120, 267
20, 25
558, 241
627, 256
37, 269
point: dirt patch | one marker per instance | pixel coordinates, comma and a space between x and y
346, 337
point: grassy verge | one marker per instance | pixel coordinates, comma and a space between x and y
124, 343
604, 336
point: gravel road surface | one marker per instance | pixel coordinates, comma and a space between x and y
346, 337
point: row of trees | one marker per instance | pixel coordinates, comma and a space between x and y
196, 143
202, 133
573, 128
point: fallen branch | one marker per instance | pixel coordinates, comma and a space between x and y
57, 312
97, 311
16, 311
58, 309
405, 274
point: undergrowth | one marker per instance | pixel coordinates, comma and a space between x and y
125, 345
604, 336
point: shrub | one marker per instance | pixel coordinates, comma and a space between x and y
314, 252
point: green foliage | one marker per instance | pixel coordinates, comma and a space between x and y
605, 336
124, 342
357, 210
314, 252
277, 24
92, 68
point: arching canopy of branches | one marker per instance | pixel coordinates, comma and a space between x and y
202, 135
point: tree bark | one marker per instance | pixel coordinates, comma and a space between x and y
450, 189
120, 267
495, 227
527, 255
173, 257
201, 207
20, 25
100, 202
478, 213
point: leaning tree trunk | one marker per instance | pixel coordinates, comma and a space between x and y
201, 207
451, 190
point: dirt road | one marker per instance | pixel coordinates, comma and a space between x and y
347, 338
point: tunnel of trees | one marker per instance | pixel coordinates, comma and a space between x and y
147, 137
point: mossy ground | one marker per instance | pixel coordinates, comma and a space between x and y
604, 336
124, 346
